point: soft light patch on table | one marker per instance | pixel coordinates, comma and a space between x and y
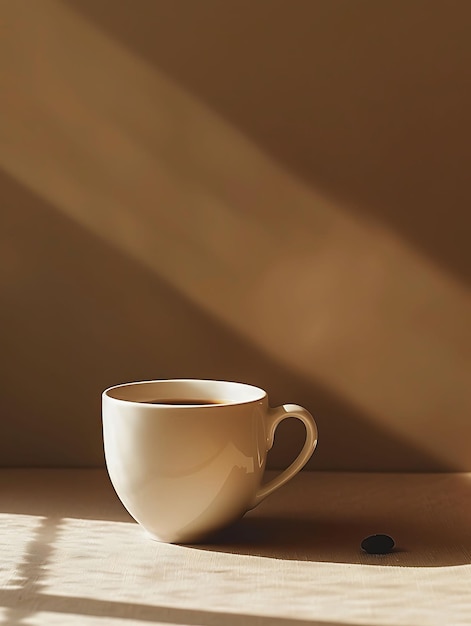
17, 532
126, 573
49, 618
105, 557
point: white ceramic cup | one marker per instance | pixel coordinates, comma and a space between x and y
187, 469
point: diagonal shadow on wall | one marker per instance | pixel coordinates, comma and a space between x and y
77, 315
367, 101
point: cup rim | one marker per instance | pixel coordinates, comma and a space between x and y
260, 393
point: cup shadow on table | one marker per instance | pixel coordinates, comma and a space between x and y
421, 541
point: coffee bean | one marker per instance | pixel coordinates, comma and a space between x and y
377, 544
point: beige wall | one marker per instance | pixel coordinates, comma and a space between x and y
269, 191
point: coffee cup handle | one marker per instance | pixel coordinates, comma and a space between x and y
273, 418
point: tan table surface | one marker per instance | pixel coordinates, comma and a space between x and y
70, 554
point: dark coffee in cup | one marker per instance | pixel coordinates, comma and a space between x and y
184, 402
